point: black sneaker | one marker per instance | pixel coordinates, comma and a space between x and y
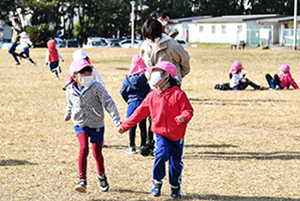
175, 192
155, 191
147, 150
104, 186
81, 186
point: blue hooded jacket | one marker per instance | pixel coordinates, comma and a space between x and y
134, 88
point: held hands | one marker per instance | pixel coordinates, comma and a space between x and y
179, 119
120, 129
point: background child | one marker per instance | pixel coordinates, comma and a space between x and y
86, 100
52, 56
81, 54
238, 82
134, 90
24, 41
283, 81
171, 111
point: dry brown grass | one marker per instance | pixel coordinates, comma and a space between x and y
239, 145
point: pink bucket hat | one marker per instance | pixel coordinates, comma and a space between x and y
235, 67
166, 66
138, 65
285, 68
76, 66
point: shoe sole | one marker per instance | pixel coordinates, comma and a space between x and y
104, 189
80, 189
155, 195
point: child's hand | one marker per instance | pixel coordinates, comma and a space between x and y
68, 119
245, 71
179, 119
120, 129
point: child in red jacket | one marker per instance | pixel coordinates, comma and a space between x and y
171, 111
284, 80
53, 56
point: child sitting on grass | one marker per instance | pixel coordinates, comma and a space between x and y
238, 82
283, 81
86, 101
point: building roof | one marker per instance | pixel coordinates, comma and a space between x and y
280, 19
186, 19
236, 18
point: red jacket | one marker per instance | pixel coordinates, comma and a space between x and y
286, 80
53, 54
164, 107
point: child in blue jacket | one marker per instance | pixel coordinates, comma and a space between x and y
134, 90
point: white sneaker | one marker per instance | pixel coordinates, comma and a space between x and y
34, 64
27, 59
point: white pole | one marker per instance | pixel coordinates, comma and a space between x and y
132, 23
295, 24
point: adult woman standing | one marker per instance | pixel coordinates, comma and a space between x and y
160, 47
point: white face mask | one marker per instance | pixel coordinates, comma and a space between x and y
86, 80
164, 23
155, 78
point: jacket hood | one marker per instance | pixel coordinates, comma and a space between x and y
138, 65
51, 44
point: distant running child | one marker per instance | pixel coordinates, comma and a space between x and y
53, 56
171, 111
284, 80
24, 42
238, 82
134, 90
87, 100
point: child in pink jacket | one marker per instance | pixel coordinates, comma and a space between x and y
284, 80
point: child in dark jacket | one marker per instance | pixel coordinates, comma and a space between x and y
283, 81
134, 90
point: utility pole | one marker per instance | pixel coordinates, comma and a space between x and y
295, 24
132, 22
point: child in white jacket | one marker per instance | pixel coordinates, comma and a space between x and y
24, 41
238, 82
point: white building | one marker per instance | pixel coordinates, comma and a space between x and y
281, 30
229, 29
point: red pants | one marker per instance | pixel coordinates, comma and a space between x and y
84, 152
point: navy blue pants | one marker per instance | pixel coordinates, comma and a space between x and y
12, 50
166, 149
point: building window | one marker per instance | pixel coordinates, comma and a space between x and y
240, 28
201, 29
223, 29
213, 29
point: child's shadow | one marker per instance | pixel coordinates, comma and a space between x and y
15, 162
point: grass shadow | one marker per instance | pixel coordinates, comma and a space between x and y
118, 147
229, 197
234, 102
236, 156
15, 162
210, 146
127, 69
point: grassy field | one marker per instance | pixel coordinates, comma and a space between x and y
240, 145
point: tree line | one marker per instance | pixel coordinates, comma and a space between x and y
106, 18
